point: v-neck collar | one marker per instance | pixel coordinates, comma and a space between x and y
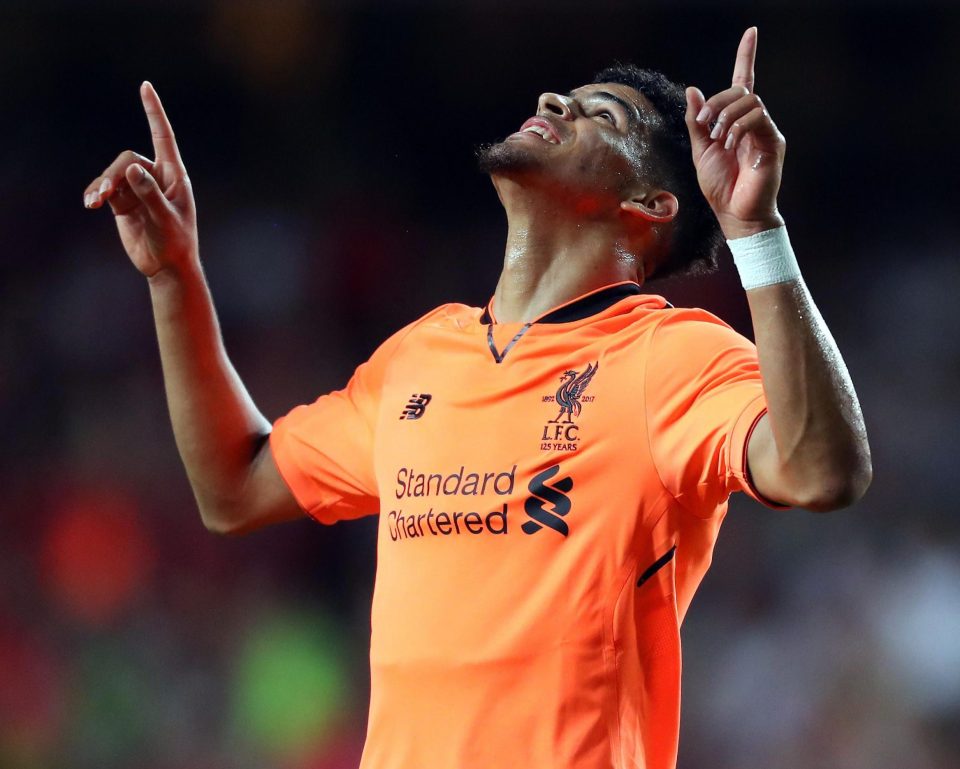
580, 307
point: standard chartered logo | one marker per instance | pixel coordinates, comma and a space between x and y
546, 506
555, 496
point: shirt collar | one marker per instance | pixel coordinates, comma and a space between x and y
581, 307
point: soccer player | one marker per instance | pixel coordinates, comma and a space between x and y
550, 471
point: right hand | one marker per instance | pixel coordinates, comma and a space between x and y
151, 200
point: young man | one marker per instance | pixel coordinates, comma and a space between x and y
551, 471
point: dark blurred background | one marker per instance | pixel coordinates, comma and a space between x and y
331, 146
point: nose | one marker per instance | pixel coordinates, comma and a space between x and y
556, 104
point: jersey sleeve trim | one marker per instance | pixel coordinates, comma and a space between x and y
739, 446
289, 472
296, 479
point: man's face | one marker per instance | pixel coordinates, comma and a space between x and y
587, 146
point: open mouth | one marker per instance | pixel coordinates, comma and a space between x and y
541, 128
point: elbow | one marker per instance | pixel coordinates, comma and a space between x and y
837, 489
221, 520
215, 524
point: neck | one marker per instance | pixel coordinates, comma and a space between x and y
554, 255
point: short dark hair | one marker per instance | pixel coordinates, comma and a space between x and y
696, 240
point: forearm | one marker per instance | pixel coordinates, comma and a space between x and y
812, 450
217, 427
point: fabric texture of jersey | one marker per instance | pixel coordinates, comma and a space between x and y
544, 523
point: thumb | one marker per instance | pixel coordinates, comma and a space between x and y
699, 132
145, 187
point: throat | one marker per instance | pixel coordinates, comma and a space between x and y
523, 298
554, 253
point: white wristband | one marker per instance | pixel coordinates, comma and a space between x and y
764, 258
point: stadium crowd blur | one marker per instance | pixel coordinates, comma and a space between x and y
331, 150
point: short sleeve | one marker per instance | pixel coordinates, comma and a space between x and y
324, 450
703, 396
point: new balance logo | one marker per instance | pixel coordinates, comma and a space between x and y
555, 496
416, 406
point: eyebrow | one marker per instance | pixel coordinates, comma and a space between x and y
633, 114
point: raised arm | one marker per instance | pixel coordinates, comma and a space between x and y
220, 433
810, 450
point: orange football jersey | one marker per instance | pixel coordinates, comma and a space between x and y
549, 497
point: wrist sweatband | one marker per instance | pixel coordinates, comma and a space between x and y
764, 258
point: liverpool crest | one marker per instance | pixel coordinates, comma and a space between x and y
562, 432
569, 393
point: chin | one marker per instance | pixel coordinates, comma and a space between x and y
506, 157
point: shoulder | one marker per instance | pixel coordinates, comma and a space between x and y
450, 315
692, 327
691, 319
691, 348
661, 328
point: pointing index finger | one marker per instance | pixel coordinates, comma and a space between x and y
164, 142
746, 55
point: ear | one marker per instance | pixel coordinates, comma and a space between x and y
657, 206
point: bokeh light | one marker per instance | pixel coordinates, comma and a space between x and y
112, 704
290, 688
95, 555
31, 698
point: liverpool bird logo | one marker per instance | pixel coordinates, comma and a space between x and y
568, 395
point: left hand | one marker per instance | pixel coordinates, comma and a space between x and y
737, 150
